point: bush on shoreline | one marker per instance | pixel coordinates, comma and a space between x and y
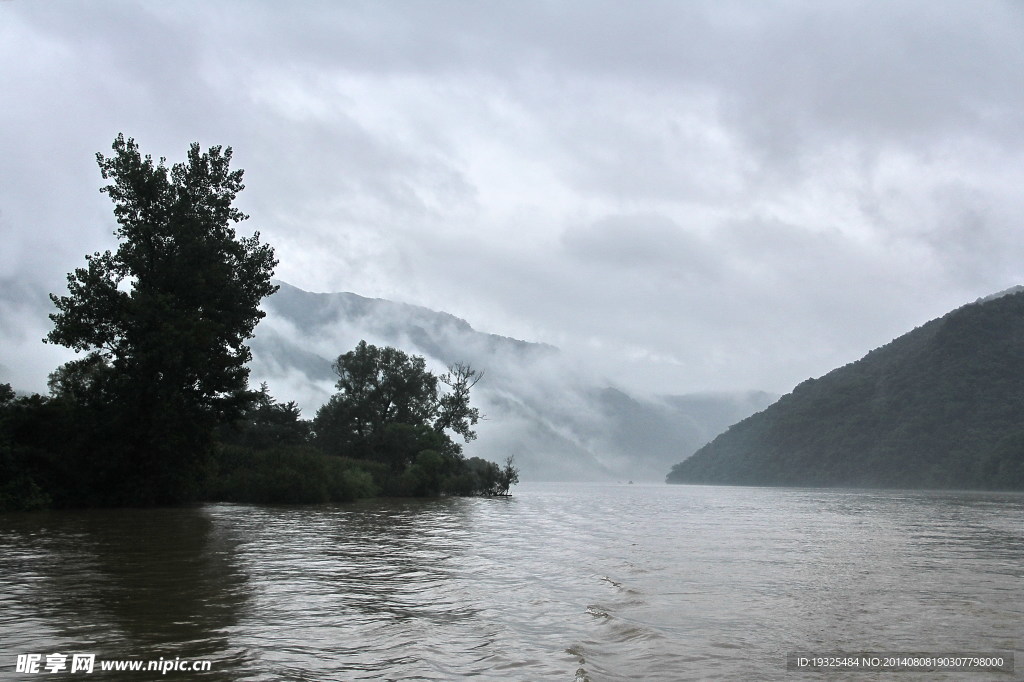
288, 474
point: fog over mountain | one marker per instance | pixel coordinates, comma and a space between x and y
710, 195
559, 420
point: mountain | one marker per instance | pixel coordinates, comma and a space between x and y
939, 407
558, 421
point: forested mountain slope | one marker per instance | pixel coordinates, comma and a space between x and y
939, 407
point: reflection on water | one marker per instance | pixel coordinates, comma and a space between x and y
120, 584
557, 583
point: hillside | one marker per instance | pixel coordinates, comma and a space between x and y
939, 407
560, 422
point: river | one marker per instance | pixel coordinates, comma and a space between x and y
559, 582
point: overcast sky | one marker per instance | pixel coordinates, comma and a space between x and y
685, 195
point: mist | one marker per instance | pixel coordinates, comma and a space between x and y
556, 414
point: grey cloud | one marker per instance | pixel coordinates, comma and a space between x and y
899, 70
25, 360
650, 242
761, 189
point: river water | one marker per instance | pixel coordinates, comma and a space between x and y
559, 582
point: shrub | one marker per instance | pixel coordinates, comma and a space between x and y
291, 475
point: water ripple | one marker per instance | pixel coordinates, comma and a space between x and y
557, 583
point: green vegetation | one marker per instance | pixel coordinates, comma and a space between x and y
164, 320
388, 410
158, 409
940, 407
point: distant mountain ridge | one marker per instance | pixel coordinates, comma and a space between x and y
939, 407
433, 333
559, 423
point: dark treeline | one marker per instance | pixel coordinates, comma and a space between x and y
158, 410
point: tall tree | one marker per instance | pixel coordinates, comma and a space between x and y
454, 411
388, 406
170, 311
